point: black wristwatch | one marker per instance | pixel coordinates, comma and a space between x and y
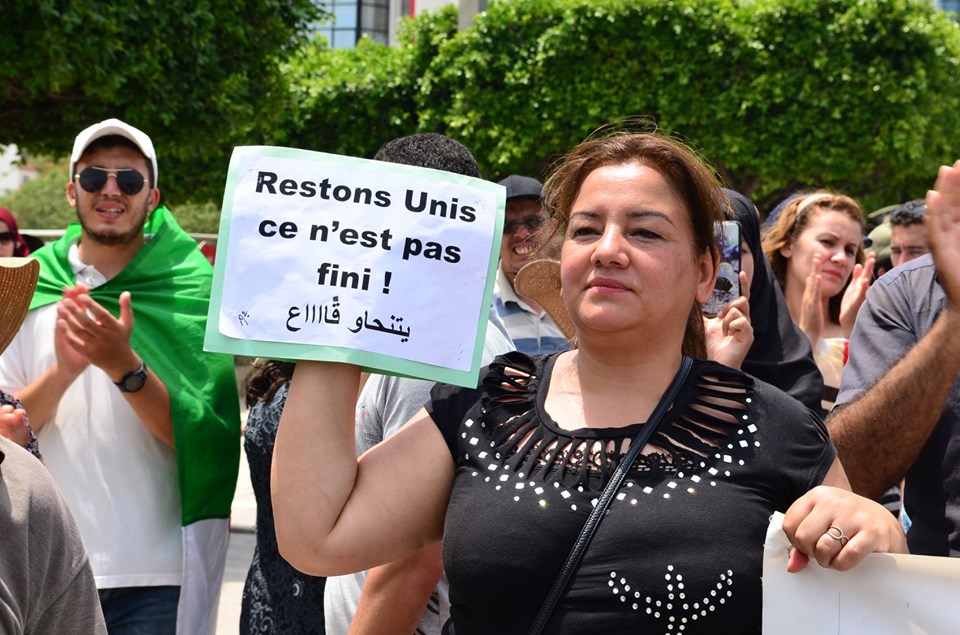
134, 380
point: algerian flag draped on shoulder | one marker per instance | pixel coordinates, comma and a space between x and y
169, 283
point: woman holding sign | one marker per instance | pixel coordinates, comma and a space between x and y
508, 473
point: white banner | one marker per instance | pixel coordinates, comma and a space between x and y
886, 594
391, 263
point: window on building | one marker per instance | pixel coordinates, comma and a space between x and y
352, 19
951, 5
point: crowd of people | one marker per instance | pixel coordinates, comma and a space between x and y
610, 407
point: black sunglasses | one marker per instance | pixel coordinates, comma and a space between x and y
6, 237
94, 179
532, 223
910, 209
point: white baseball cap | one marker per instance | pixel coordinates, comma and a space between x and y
114, 127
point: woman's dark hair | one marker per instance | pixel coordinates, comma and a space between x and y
687, 175
265, 379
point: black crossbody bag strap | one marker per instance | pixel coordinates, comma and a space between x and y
593, 521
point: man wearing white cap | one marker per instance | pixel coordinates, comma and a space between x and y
139, 427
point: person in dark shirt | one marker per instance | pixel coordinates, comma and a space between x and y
780, 354
507, 472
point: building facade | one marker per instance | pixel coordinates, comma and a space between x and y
950, 5
379, 19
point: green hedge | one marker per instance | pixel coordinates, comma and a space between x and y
351, 101
861, 95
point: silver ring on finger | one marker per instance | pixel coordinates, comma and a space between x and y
837, 534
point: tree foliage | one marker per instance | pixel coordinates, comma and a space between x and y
198, 75
779, 94
41, 202
859, 95
351, 101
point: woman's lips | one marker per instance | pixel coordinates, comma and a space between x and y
606, 285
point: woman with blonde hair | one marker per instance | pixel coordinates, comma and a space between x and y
815, 248
676, 464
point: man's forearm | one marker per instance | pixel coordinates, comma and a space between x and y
880, 435
394, 595
41, 397
152, 405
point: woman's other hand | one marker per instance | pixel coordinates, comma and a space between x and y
811, 308
856, 293
838, 528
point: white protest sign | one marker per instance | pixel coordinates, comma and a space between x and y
886, 594
335, 258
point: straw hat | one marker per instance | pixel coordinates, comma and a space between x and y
540, 281
18, 279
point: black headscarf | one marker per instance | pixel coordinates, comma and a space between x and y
781, 353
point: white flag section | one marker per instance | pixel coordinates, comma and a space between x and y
886, 594
383, 265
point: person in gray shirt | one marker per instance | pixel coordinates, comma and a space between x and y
898, 411
46, 583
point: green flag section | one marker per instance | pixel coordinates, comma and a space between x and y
169, 282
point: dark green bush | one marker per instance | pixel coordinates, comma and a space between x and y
860, 95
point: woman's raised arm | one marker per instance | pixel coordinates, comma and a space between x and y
337, 514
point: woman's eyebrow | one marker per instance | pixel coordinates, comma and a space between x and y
648, 213
587, 214
830, 234
630, 215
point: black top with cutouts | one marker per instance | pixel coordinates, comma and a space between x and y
680, 549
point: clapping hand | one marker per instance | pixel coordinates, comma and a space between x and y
90, 333
69, 359
811, 307
856, 293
